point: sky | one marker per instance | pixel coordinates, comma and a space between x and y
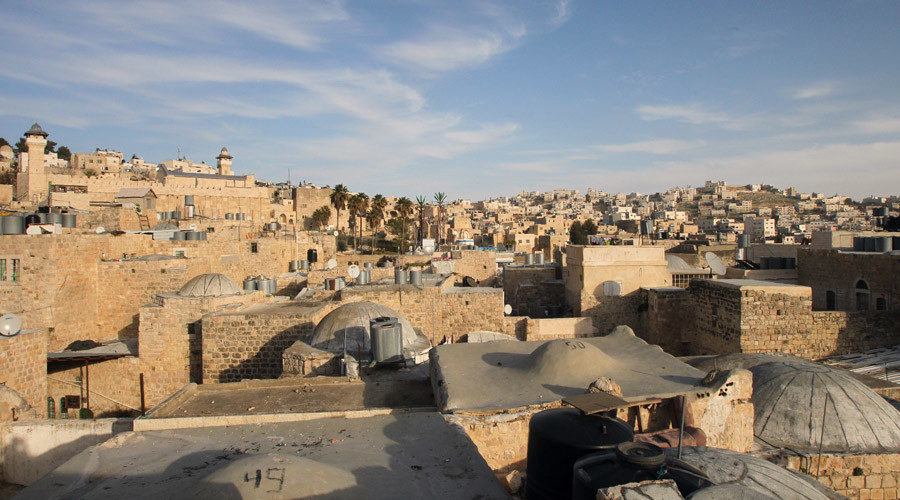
476, 99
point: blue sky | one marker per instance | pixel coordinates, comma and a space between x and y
472, 98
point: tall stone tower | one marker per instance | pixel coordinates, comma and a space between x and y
224, 162
31, 184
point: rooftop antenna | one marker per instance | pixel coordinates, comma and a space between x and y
179, 152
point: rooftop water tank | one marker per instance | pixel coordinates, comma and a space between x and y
365, 276
399, 276
69, 220
387, 341
250, 284
559, 437
229, 216
188, 200
529, 259
415, 277
12, 224
539, 258
312, 255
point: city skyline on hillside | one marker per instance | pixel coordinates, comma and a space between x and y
480, 100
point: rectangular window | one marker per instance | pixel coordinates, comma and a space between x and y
2, 269
254, 248
15, 270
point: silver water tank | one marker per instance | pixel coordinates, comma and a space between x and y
294, 266
539, 258
189, 211
12, 224
265, 284
399, 276
529, 259
54, 218
188, 200
740, 254
369, 265
202, 235
387, 340
179, 236
192, 235
229, 216
304, 265
883, 244
241, 216
69, 220
250, 284
743, 241
415, 277
364, 278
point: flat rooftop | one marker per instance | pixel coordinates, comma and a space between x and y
413, 455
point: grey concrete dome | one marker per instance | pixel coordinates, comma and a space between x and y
789, 400
349, 324
210, 285
737, 476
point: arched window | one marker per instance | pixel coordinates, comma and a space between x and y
862, 296
829, 300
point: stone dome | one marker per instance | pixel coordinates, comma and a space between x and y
349, 324
789, 400
738, 475
210, 285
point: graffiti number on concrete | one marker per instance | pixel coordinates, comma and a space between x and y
273, 474
575, 345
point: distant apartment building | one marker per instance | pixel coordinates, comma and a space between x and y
760, 228
101, 160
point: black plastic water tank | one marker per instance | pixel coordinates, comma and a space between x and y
557, 438
632, 462
32, 219
312, 255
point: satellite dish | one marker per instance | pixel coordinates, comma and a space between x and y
10, 325
193, 227
675, 263
507, 309
715, 263
353, 271
336, 233
331, 264
100, 230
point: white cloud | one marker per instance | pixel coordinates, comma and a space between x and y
816, 90
694, 114
880, 125
445, 48
654, 147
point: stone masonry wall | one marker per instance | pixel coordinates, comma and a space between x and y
718, 320
862, 476
23, 368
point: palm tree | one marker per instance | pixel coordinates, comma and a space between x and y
440, 198
379, 203
321, 216
339, 198
361, 211
420, 200
404, 208
357, 206
374, 218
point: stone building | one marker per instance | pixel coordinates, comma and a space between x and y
31, 185
844, 280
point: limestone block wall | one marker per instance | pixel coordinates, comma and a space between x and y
522, 288
838, 272
248, 345
852, 475
481, 265
669, 319
559, 328
515, 326
718, 319
23, 368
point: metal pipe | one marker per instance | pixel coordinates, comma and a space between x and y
143, 406
681, 428
87, 379
822, 436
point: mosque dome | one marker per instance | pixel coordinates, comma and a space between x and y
210, 285
224, 154
349, 325
36, 130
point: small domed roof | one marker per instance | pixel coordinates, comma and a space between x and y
210, 285
224, 154
36, 130
350, 323
789, 399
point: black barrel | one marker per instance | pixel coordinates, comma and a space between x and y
32, 219
557, 438
312, 255
632, 462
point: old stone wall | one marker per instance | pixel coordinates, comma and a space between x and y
559, 328
863, 476
23, 368
717, 329
531, 289
839, 272
668, 320
481, 265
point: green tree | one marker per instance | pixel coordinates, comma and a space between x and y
577, 235
379, 204
420, 204
589, 227
3, 142
357, 206
404, 208
440, 198
374, 218
64, 154
629, 226
20, 146
90, 172
321, 216
339, 197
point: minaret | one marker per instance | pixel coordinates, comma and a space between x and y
224, 162
31, 184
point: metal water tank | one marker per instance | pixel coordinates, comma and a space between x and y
179, 236
743, 241
415, 277
264, 284
539, 258
250, 284
55, 218
188, 200
369, 265
189, 211
883, 244
241, 216
871, 244
312, 255
399, 276
470, 282
176, 214
294, 266
304, 265
12, 224
69, 220
387, 340
557, 438
229, 216
529, 259
202, 235
790, 263
364, 278
192, 235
